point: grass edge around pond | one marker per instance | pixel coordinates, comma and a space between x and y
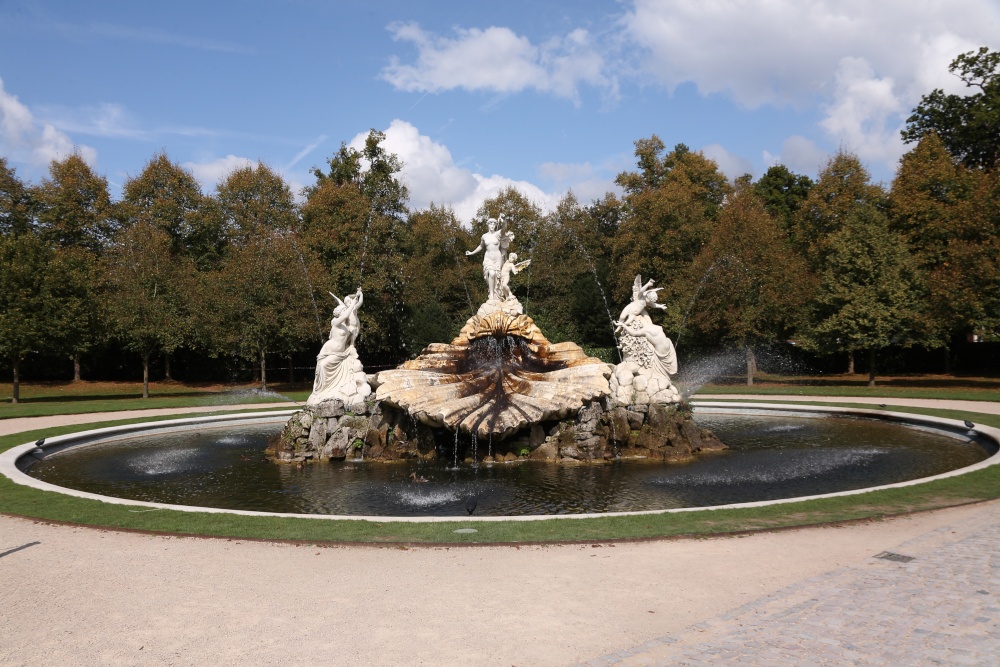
30, 503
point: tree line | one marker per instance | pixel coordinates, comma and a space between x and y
841, 265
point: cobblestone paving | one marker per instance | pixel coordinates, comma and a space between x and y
941, 608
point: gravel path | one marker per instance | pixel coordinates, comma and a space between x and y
820, 596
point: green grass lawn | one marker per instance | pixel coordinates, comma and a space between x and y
972, 487
82, 397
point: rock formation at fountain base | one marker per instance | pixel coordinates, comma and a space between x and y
598, 433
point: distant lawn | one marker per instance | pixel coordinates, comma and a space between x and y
60, 398
971, 487
909, 386
56, 398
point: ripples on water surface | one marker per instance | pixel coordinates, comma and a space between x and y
769, 457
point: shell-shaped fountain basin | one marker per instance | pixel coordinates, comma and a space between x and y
498, 376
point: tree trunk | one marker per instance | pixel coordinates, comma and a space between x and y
76, 367
263, 371
751, 365
16, 389
850, 362
947, 359
291, 370
166, 368
145, 376
871, 367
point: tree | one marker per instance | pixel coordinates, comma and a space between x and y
75, 216
866, 298
147, 291
782, 193
670, 206
968, 125
25, 306
74, 207
438, 277
254, 200
261, 299
931, 207
167, 196
567, 278
354, 228
758, 287
844, 187
16, 203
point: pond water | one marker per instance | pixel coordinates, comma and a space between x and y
770, 457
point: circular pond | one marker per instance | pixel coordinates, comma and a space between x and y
770, 456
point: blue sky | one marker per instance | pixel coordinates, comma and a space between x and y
545, 95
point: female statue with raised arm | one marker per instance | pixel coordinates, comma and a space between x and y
339, 373
494, 244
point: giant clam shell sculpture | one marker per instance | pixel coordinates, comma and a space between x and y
498, 376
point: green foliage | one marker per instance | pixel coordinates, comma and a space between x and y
25, 295
782, 193
75, 216
843, 187
866, 297
147, 291
670, 207
968, 125
168, 197
439, 278
16, 203
74, 207
749, 286
354, 230
255, 200
261, 299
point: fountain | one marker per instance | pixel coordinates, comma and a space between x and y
500, 381
501, 392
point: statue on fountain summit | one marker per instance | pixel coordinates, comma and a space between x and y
648, 356
497, 268
339, 373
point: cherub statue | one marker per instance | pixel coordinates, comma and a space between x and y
511, 265
649, 358
635, 315
494, 243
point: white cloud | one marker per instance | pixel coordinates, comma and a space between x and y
432, 176
866, 114
730, 164
498, 60
23, 138
787, 51
210, 173
104, 120
586, 181
865, 64
800, 155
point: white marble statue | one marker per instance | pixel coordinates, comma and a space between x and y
494, 244
510, 265
648, 356
339, 373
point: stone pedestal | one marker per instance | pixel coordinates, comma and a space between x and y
598, 433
